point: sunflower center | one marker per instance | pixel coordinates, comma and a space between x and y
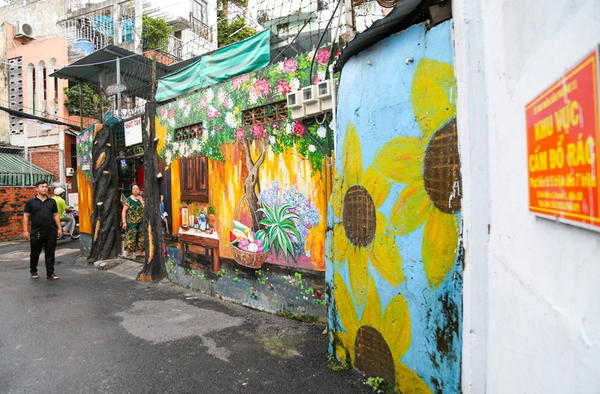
373, 355
359, 216
442, 169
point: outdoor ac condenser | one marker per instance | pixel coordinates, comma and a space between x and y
294, 102
324, 94
312, 105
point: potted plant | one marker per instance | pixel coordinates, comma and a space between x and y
278, 225
251, 248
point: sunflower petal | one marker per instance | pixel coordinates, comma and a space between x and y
408, 382
343, 344
433, 95
338, 191
339, 245
372, 314
395, 326
384, 254
345, 307
410, 210
358, 269
440, 246
352, 157
377, 186
401, 159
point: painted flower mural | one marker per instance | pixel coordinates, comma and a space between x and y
220, 108
430, 167
397, 174
360, 235
84, 151
306, 210
387, 330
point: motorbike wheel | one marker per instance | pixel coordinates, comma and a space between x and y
75, 234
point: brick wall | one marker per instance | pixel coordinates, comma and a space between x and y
47, 158
12, 204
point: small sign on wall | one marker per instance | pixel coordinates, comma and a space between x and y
133, 132
563, 142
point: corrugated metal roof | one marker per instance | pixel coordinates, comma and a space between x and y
15, 170
100, 66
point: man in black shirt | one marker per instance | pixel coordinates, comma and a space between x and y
45, 227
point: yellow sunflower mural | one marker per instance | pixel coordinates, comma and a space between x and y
430, 167
361, 236
376, 343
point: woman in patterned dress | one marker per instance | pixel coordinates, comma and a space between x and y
133, 216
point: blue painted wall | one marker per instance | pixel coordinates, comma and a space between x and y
394, 261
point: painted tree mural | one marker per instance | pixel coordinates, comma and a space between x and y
154, 267
106, 234
250, 110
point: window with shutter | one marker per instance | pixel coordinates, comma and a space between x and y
193, 170
194, 179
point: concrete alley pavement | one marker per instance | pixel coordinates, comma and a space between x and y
94, 331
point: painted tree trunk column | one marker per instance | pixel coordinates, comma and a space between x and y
106, 233
252, 180
154, 267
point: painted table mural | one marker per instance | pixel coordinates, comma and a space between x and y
257, 155
394, 261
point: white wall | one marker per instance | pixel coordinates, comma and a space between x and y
532, 286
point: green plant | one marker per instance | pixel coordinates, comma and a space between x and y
236, 30
91, 101
378, 384
336, 365
278, 227
155, 34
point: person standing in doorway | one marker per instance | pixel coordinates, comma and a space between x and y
133, 217
45, 228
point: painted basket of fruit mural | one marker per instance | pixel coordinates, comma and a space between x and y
247, 250
248, 259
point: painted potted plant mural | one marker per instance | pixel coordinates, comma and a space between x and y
277, 229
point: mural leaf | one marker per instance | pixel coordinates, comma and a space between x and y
396, 326
440, 243
377, 186
352, 157
401, 159
385, 256
373, 313
433, 95
358, 269
408, 382
410, 210
342, 245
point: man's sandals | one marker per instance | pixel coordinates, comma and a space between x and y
52, 277
34, 276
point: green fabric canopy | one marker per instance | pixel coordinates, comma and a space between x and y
239, 58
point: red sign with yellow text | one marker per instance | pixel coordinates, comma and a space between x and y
563, 148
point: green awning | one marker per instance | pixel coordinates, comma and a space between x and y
16, 171
239, 58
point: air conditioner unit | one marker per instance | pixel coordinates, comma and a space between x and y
312, 105
25, 30
70, 171
294, 103
324, 94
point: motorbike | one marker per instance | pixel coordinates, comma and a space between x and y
72, 213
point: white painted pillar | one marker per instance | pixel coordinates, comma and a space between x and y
472, 122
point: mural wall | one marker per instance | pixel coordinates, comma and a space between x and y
394, 261
84, 179
243, 117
